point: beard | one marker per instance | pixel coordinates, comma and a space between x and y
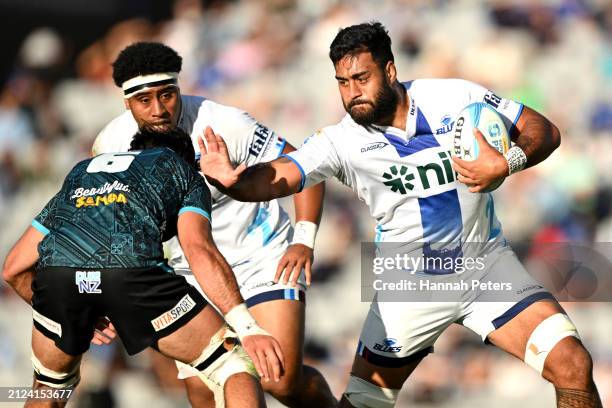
366, 113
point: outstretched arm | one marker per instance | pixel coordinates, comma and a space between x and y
261, 182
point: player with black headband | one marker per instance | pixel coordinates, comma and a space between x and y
256, 238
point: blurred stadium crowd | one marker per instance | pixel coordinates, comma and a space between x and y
269, 57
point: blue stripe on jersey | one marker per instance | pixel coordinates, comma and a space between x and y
300, 168
442, 225
196, 210
423, 138
262, 222
518, 115
41, 228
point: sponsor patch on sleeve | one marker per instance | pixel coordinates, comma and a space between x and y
261, 141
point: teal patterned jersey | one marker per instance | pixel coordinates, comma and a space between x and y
116, 209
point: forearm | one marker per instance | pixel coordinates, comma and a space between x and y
537, 137
215, 277
20, 264
309, 203
22, 284
262, 182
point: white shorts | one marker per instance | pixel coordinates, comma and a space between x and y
255, 277
396, 333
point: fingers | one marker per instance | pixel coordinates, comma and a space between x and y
295, 273
289, 271
100, 339
463, 167
282, 264
275, 362
279, 355
211, 140
480, 139
308, 271
202, 146
238, 170
104, 332
466, 180
263, 364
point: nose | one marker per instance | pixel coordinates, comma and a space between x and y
158, 108
354, 90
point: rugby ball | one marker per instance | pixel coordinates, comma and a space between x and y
486, 119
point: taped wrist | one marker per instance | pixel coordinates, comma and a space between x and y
242, 322
305, 233
516, 158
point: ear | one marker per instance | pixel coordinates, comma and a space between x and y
126, 104
391, 72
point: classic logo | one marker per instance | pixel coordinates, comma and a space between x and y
447, 125
88, 281
388, 346
180, 309
373, 146
401, 180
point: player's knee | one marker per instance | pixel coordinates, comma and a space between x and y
198, 394
55, 379
363, 394
572, 367
551, 334
284, 390
216, 363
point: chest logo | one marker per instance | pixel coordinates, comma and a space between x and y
401, 180
447, 125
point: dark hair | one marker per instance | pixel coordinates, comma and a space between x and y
175, 139
372, 37
144, 58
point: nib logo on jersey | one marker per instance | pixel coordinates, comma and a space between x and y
401, 180
389, 346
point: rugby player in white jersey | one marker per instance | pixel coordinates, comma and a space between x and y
253, 237
393, 150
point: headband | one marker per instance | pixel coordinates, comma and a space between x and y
142, 82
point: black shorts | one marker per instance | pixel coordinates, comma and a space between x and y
144, 305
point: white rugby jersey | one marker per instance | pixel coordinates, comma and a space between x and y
406, 177
240, 229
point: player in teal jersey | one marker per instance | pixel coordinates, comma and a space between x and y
96, 250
